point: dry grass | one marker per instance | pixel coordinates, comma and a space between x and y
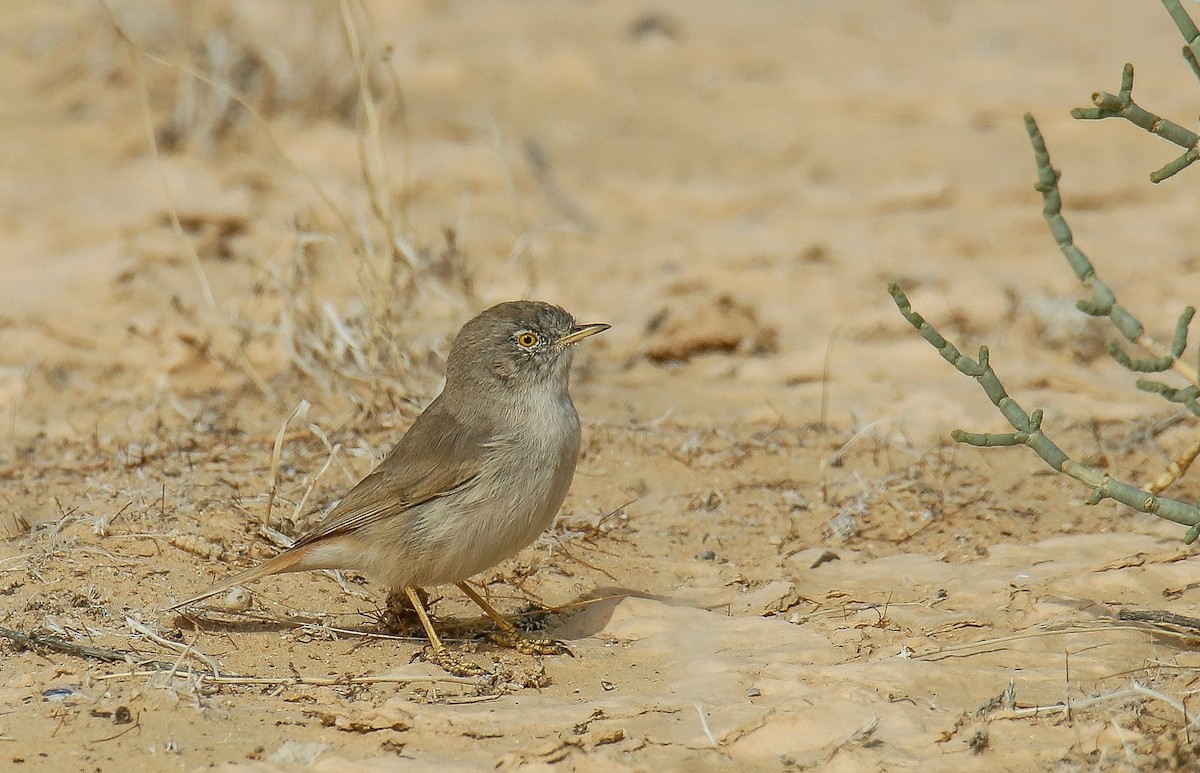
117, 513
120, 528
286, 59
230, 86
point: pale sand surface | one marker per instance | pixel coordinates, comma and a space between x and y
773, 558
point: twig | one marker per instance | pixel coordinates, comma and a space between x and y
1176, 469
704, 725
333, 452
1121, 105
544, 175
1134, 691
308, 681
971, 649
374, 166
1160, 617
825, 368
370, 137
137, 725
40, 641
186, 649
859, 737
1029, 433
299, 509
300, 410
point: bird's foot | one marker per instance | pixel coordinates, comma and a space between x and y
399, 616
528, 645
455, 665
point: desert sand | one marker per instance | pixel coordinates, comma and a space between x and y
773, 556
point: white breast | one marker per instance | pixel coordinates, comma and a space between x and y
512, 500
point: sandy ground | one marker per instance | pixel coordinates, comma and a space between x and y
772, 557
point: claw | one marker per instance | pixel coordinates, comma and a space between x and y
529, 646
454, 665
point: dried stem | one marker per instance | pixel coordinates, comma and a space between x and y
56, 644
149, 667
243, 360
1176, 469
255, 114
307, 681
300, 410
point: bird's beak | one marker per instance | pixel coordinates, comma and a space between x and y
581, 332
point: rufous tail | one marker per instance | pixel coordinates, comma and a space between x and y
286, 561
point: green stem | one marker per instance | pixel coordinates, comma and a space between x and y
1029, 432
1191, 35
1121, 105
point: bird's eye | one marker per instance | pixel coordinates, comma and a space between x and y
527, 340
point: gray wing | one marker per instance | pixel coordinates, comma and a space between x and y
437, 456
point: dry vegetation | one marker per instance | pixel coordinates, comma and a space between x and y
769, 559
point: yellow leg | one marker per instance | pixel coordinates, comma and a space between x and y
509, 636
487, 608
441, 656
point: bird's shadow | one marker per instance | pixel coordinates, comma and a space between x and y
587, 614
591, 612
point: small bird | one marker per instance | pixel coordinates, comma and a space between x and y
479, 475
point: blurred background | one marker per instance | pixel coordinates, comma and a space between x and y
335, 187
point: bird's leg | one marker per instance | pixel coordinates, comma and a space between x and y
508, 635
441, 657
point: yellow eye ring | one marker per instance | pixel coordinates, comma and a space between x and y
527, 340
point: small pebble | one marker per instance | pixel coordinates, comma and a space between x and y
753, 692
238, 599
57, 694
706, 555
